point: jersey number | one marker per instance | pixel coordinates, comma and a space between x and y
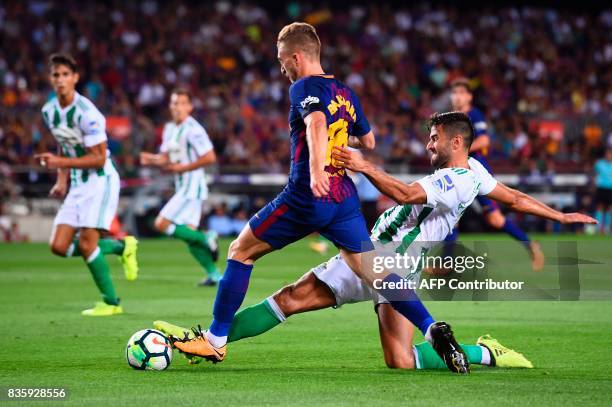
337, 137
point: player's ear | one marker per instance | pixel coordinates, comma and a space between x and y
76, 77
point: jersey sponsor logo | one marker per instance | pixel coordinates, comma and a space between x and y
309, 101
444, 184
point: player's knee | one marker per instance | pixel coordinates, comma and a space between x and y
59, 248
160, 225
87, 245
496, 220
404, 360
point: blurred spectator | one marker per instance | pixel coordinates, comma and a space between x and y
603, 194
220, 222
524, 63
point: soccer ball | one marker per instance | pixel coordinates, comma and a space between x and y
149, 349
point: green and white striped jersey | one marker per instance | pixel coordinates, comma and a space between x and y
449, 192
184, 144
76, 127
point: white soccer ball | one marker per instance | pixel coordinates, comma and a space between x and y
149, 350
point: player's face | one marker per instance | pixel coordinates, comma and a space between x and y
288, 62
180, 107
439, 146
63, 79
460, 98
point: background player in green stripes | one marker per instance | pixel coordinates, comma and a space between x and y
185, 150
91, 203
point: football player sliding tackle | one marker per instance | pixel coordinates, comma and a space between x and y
422, 218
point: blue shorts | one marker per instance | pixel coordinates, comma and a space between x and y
292, 216
488, 205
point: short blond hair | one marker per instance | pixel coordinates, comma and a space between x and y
302, 36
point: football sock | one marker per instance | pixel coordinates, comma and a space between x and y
101, 274
513, 230
255, 320
406, 302
232, 289
427, 358
204, 258
449, 243
107, 246
188, 235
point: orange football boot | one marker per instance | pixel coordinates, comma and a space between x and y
199, 346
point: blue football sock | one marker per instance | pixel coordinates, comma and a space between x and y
232, 289
406, 302
513, 230
449, 243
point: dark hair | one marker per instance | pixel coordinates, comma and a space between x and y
182, 92
461, 82
302, 36
63, 59
454, 123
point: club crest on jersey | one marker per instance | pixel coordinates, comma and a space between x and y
444, 184
309, 101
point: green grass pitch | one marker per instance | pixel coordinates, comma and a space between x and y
330, 357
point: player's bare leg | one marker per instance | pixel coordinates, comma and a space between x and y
243, 252
396, 334
497, 220
61, 239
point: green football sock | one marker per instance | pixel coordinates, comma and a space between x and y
189, 235
101, 275
107, 246
203, 256
253, 321
429, 359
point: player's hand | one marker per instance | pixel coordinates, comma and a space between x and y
175, 168
48, 160
576, 217
59, 190
351, 160
319, 184
147, 158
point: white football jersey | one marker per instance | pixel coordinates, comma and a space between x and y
449, 192
76, 127
185, 143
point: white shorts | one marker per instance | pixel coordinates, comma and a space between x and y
181, 210
91, 205
346, 286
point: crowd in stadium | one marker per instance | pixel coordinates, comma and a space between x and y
525, 64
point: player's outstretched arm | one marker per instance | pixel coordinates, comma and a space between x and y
95, 157
316, 137
61, 184
521, 202
389, 186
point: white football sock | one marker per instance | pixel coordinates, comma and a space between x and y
216, 341
486, 356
